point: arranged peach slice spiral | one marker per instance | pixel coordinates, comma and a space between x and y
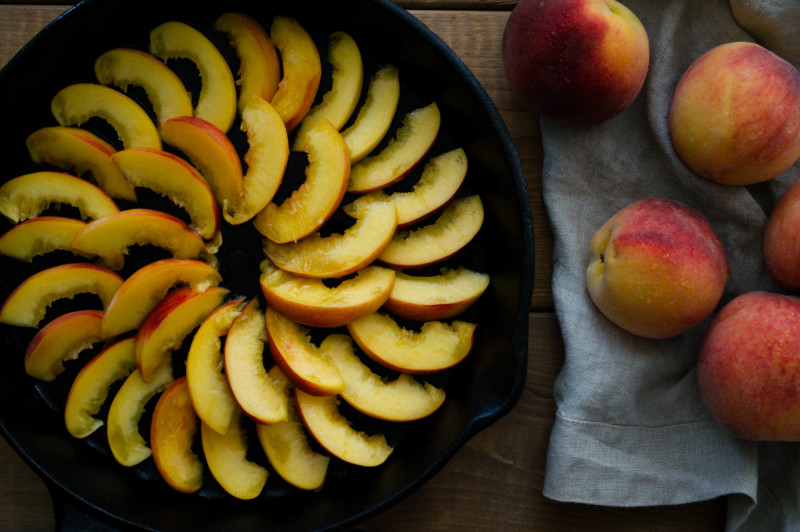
302, 70
259, 66
172, 432
375, 115
62, 339
435, 347
315, 201
76, 104
411, 143
125, 67
339, 103
82, 153
340, 254
216, 102
27, 304
90, 388
27, 196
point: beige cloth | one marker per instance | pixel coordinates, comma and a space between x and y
631, 429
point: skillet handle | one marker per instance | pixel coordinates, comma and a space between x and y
72, 515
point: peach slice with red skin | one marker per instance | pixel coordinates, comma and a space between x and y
347, 79
375, 116
172, 432
315, 201
211, 394
216, 101
119, 232
302, 70
259, 66
305, 364
266, 157
340, 254
123, 67
437, 346
310, 302
90, 388
64, 338
81, 152
171, 176
441, 179
211, 152
436, 297
167, 325
287, 448
456, 227
75, 104
226, 456
259, 395
336, 435
27, 196
127, 408
27, 304
401, 399
44, 234
411, 143
144, 288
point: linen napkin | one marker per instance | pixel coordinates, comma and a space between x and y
631, 429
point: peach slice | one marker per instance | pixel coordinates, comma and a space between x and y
401, 399
436, 347
81, 152
208, 386
123, 67
411, 143
302, 70
75, 104
347, 79
165, 328
375, 116
428, 244
288, 450
90, 388
211, 152
259, 66
226, 456
171, 176
127, 408
62, 339
266, 158
260, 396
311, 302
44, 234
119, 232
315, 201
27, 304
436, 297
335, 434
172, 432
27, 196
340, 254
143, 289
216, 101
440, 181
306, 365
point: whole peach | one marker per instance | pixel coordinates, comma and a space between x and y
781, 246
749, 367
735, 114
577, 61
657, 268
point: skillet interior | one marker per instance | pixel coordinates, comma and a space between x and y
479, 391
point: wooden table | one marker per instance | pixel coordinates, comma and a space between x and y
495, 481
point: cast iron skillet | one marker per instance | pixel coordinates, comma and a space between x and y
90, 490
